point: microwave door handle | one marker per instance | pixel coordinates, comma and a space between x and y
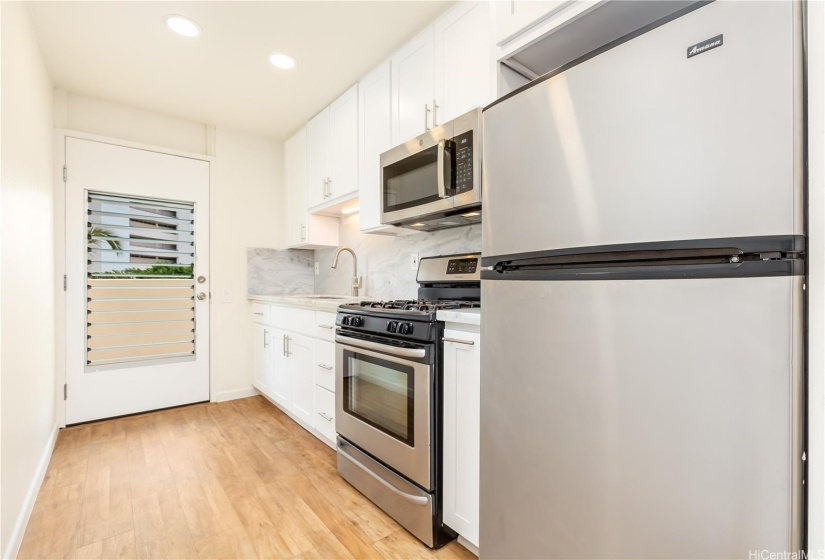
442, 152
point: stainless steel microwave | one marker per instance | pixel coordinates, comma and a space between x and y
434, 180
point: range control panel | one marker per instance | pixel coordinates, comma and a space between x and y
450, 269
462, 266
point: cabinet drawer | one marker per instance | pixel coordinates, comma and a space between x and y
325, 325
325, 364
260, 313
301, 321
325, 413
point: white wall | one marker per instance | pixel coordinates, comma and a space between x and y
27, 274
78, 112
246, 206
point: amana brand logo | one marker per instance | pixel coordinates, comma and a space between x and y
704, 46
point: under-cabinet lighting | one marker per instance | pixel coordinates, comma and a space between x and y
183, 26
282, 61
471, 214
419, 224
350, 210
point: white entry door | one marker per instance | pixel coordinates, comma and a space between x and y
137, 262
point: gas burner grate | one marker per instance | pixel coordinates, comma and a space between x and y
419, 305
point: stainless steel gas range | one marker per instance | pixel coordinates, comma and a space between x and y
389, 394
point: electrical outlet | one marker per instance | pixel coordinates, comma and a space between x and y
226, 296
317, 268
414, 261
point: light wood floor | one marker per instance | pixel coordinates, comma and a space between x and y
229, 480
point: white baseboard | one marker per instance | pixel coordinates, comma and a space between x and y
25, 514
468, 545
235, 394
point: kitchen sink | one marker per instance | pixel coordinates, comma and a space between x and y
329, 297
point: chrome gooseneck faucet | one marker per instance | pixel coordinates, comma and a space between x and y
356, 280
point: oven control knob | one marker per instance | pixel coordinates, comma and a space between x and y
392, 326
345, 320
405, 328
357, 321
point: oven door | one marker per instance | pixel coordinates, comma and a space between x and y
382, 398
417, 177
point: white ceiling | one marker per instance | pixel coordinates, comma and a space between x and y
123, 52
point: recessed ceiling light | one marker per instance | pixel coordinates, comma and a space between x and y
183, 26
282, 61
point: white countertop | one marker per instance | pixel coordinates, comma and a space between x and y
463, 316
308, 301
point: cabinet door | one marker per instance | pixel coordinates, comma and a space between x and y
343, 120
300, 353
375, 137
280, 380
514, 16
325, 419
325, 364
318, 157
261, 357
465, 60
462, 404
295, 161
413, 87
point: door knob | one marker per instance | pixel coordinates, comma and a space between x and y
201, 279
201, 296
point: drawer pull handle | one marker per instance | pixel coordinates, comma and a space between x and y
459, 341
325, 417
258, 313
327, 326
324, 366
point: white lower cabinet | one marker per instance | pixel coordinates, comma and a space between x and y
325, 419
294, 364
462, 405
261, 356
299, 352
280, 377
325, 365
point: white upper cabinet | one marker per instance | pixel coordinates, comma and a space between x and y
445, 71
465, 70
513, 16
318, 156
413, 87
303, 229
343, 120
332, 138
375, 137
295, 164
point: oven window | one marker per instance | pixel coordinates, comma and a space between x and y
413, 181
380, 393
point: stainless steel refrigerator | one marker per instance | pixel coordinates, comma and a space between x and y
643, 345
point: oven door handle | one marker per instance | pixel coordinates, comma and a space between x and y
383, 348
420, 500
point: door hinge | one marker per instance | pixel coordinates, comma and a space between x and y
65, 391
64, 282
65, 173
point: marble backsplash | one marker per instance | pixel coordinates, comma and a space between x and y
270, 271
384, 261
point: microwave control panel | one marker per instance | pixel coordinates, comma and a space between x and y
464, 162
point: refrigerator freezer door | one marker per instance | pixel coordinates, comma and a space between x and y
642, 143
640, 418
